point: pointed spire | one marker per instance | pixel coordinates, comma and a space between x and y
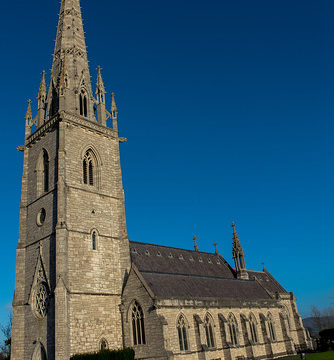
239, 256
113, 107
70, 41
215, 244
195, 243
237, 248
28, 116
114, 112
100, 90
41, 101
42, 89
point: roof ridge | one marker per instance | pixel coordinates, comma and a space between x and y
172, 247
195, 275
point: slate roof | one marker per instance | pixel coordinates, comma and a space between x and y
165, 259
179, 273
181, 286
267, 281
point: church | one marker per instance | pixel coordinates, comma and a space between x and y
82, 286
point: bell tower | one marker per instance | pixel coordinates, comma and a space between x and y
73, 248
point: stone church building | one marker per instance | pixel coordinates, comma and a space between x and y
81, 285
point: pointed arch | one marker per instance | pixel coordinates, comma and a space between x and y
83, 102
287, 313
42, 173
103, 344
208, 326
271, 326
94, 239
233, 329
39, 352
253, 328
137, 323
90, 168
182, 325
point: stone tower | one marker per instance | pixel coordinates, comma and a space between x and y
73, 249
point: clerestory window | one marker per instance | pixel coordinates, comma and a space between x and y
182, 333
138, 328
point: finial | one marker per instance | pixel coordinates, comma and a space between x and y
195, 243
263, 266
99, 84
235, 234
42, 87
215, 245
29, 113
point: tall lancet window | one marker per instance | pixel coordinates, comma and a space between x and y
83, 103
89, 168
138, 328
271, 328
46, 171
233, 330
253, 329
42, 171
208, 325
182, 332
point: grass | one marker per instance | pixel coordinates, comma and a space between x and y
328, 355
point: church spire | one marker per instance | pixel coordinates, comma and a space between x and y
70, 42
238, 255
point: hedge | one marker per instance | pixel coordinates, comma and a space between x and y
125, 354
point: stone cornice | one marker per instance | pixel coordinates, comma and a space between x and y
81, 121
46, 127
73, 119
214, 303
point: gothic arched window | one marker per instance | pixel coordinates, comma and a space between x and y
253, 329
271, 328
83, 103
208, 325
42, 171
89, 168
182, 332
138, 328
232, 326
103, 344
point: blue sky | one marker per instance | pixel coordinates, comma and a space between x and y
227, 107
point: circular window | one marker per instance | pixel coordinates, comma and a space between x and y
41, 217
41, 300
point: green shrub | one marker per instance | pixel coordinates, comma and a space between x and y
125, 354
